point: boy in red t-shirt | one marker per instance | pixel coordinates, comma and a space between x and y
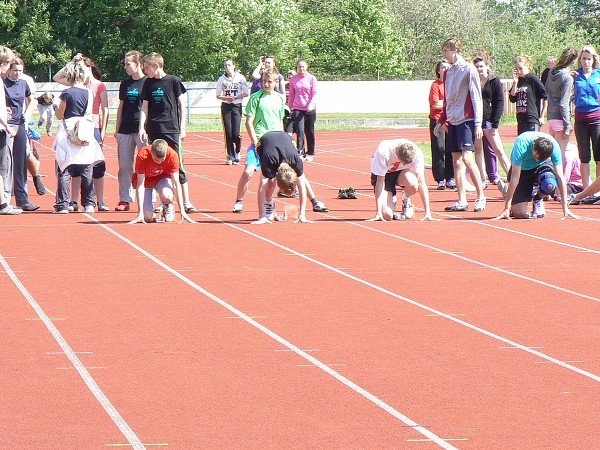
157, 167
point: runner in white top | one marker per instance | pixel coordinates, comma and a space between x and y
398, 162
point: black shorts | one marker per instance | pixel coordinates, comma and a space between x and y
527, 181
391, 181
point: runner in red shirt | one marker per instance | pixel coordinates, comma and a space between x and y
157, 168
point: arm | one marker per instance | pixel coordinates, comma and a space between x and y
497, 103
250, 129
292, 95
424, 191
302, 199
543, 111
562, 185
143, 115
179, 197
512, 187
476, 100
312, 100
31, 104
257, 72
436, 103
119, 114
139, 193
104, 113
565, 100
60, 112
182, 101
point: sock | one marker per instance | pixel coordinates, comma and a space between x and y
314, 201
3, 205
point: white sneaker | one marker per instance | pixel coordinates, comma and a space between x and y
538, 209
169, 212
238, 207
408, 211
480, 204
10, 210
89, 209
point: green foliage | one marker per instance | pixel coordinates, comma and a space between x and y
349, 39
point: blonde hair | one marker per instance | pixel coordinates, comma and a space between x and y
6, 55
286, 178
406, 153
592, 51
154, 59
76, 72
524, 59
272, 74
160, 148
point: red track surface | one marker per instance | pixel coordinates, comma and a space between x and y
465, 333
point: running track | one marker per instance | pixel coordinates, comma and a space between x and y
462, 333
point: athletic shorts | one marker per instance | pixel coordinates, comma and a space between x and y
461, 137
252, 158
555, 125
162, 183
527, 181
391, 180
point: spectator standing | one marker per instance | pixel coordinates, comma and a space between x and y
128, 125
231, 90
441, 164
529, 94
302, 103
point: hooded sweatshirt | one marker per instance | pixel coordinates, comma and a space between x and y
462, 100
558, 88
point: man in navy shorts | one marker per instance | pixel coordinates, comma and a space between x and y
462, 118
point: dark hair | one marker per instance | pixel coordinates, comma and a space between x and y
95, 71
544, 147
567, 58
438, 66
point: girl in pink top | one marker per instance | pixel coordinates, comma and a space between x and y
303, 92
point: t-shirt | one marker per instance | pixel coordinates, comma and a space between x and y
274, 148
130, 93
267, 110
162, 95
232, 86
522, 153
385, 160
16, 92
144, 164
76, 100
530, 93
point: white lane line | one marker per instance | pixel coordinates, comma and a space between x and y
324, 367
77, 364
483, 331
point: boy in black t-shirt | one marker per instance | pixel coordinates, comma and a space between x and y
163, 113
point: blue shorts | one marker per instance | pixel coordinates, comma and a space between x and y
252, 158
461, 137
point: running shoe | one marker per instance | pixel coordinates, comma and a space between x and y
88, 209
457, 207
538, 208
450, 184
10, 210
103, 207
169, 212
503, 187
441, 185
408, 211
238, 207
480, 204
73, 206
319, 206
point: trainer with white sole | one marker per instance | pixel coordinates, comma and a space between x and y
398, 163
536, 159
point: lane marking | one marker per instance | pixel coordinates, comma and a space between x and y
324, 367
77, 364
